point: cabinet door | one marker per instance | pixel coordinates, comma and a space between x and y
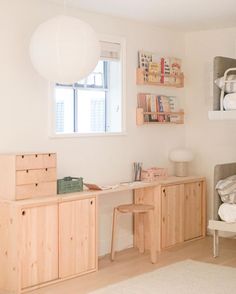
193, 210
172, 198
77, 237
39, 245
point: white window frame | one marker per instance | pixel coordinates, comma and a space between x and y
52, 113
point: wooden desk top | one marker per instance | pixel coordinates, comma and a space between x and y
165, 181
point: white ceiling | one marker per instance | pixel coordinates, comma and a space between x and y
175, 14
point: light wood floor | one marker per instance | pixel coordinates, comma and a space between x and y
130, 263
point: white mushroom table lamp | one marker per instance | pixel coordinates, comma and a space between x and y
181, 157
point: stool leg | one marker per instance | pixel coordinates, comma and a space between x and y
141, 232
114, 233
153, 248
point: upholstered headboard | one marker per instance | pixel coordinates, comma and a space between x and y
221, 171
221, 64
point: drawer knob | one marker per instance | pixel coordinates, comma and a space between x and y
36, 155
22, 156
27, 170
46, 169
49, 154
23, 212
36, 184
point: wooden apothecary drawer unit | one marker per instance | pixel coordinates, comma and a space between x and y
180, 211
25, 176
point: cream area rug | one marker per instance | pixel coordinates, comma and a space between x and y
185, 277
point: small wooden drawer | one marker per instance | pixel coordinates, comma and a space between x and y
35, 161
31, 176
36, 190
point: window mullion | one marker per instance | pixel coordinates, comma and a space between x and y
106, 85
75, 110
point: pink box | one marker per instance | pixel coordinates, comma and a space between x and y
154, 173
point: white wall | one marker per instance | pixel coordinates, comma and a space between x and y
24, 106
214, 142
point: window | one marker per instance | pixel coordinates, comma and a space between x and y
93, 105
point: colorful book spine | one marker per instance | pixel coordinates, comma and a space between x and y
157, 104
143, 104
153, 107
162, 70
173, 104
160, 106
142, 101
160, 118
165, 103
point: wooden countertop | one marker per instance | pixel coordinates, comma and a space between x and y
165, 181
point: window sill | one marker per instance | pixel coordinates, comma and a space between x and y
64, 136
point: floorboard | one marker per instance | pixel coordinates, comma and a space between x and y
130, 263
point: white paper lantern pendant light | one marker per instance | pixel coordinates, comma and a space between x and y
64, 49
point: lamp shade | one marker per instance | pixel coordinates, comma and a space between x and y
64, 49
181, 155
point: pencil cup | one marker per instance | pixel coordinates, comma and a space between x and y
137, 171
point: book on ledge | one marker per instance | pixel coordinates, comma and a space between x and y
95, 187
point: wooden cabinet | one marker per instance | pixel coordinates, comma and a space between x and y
46, 240
39, 241
172, 212
51, 239
77, 237
179, 214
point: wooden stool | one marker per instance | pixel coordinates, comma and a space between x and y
139, 209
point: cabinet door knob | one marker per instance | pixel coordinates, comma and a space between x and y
91, 202
163, 219
23, 212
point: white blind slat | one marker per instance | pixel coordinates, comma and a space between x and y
110, 51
